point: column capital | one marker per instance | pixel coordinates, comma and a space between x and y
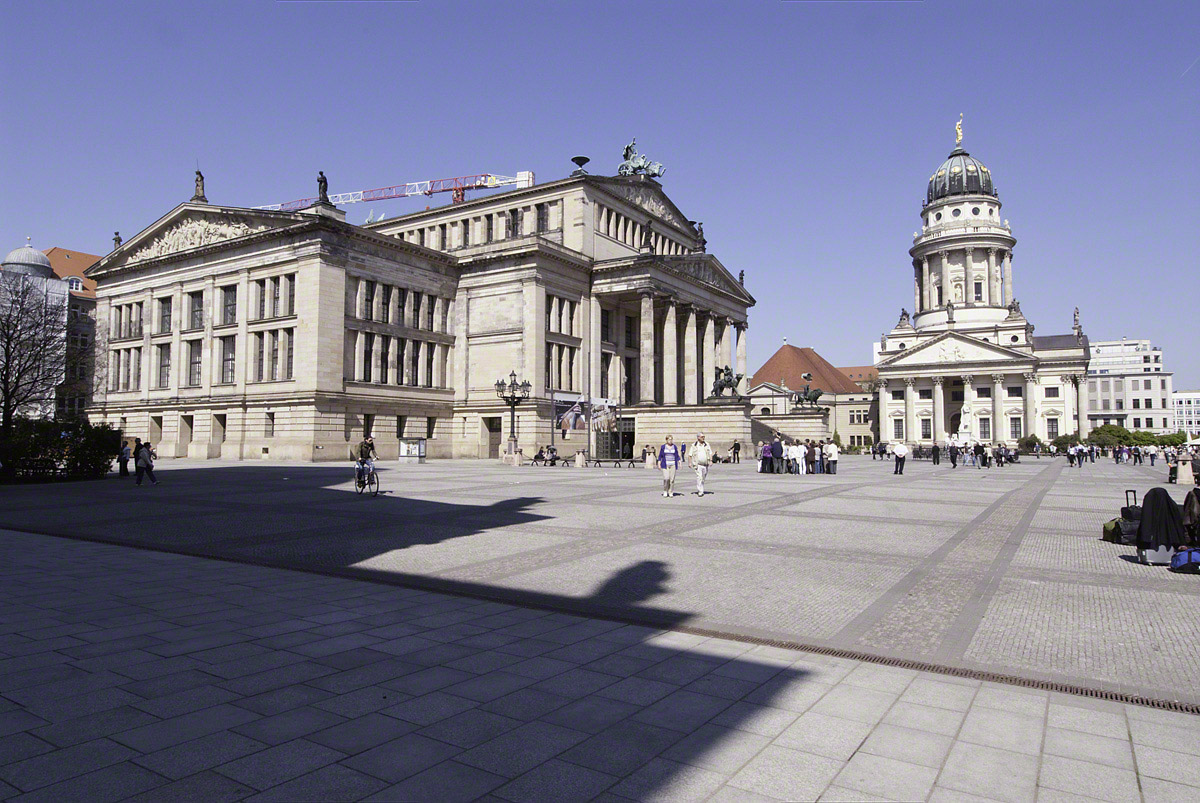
910, 381
970, 249
998, 378
882, 383
742, 326
992, 251
939, 380
967, 379
1030, 377
943, 252
647, 292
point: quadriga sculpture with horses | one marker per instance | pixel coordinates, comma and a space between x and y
725, 379
636, 163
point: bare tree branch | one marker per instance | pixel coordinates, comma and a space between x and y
33, 345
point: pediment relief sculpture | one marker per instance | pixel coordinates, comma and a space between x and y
192, 233
651, 201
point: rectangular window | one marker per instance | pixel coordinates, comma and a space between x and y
442, 244
401, 420
464, 228
416, 319
430, 310
430, 348
983, 392
926, 428
1137, 423
269, 426
228, 359
196, 317
514, 223
1120, 404
421, 239
275, 355
164, 365
291, 294
606, 326
194, 352
605, 367
368, 355
1137, 404
291, 353
631, 333
259, 356
956, 395
898, 429
368, 312
1051, 428
549, 366
925, 393
229, 304
385, 348
385, 309
164, 315
1015, 391
543, 218
490, 223
260, 287
401, 300
1014, 428
368, 425
979, 291
985, 429
430, 427
414, 360
897, 395
275, 297
1052, 393
401, 348
1149, 403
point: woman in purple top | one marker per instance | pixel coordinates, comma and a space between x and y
669, 458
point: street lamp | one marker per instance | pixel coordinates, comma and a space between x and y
512, 393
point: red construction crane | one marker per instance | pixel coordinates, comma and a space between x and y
457, 185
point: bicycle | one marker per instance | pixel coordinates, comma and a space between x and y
365, 478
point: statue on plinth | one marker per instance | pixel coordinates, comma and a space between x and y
199, 195
116, 240
322, 187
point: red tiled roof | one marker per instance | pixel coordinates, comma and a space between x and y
861, 373
789, 364
67, 263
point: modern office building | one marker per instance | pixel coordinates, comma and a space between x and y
1186, 404
1128, 385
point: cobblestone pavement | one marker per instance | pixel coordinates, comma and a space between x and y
144, 675
998, 570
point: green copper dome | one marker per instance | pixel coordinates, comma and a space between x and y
960, 174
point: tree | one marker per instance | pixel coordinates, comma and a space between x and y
1174, 439
33, 346
1110, 435
1143, 438
1029, 443
837, 439
1063, 442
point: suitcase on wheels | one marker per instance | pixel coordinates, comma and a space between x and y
1132, 511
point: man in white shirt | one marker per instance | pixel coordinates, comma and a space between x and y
899, 451
831, 458
700, 458
801, 457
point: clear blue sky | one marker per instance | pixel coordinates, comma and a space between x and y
801, 133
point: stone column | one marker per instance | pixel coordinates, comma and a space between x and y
393, 373
998, 422
910, 409
594, 353
410, 319
926, 295
993, 290
967, 416
916, 290
534, 347
1008, 290
690, 351
1030, 403
1085, 426
885, 423
710, 353
727, 343
969, 276
646, 352
360, 352
945, 259
422, 349
939, 410
670, 355
744, 382
378, 368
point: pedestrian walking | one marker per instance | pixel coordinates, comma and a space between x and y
668, 461
953, 455
123, 459
737, 452
700, 458
144, 464
899, 452
937, 455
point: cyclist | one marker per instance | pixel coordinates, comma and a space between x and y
364, 459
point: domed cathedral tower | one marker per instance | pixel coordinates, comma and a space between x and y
963, 254
965, 367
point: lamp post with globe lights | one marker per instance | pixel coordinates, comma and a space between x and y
512, 393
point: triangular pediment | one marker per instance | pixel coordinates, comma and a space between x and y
648, 195
951, 349
707, 269
190, 227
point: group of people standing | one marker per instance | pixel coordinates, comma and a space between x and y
797, 457
143, 456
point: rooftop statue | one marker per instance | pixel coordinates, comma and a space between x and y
322, 187
958, 130
638, 164
199, 196
1077, 317
905, 320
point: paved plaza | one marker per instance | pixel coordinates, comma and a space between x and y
127, 672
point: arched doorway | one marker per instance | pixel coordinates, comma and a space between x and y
955, 424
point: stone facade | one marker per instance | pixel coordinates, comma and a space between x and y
248, 333
966, 365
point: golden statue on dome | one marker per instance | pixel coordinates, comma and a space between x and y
958, 131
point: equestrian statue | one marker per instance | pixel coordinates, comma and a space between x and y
726, 378
808, 395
